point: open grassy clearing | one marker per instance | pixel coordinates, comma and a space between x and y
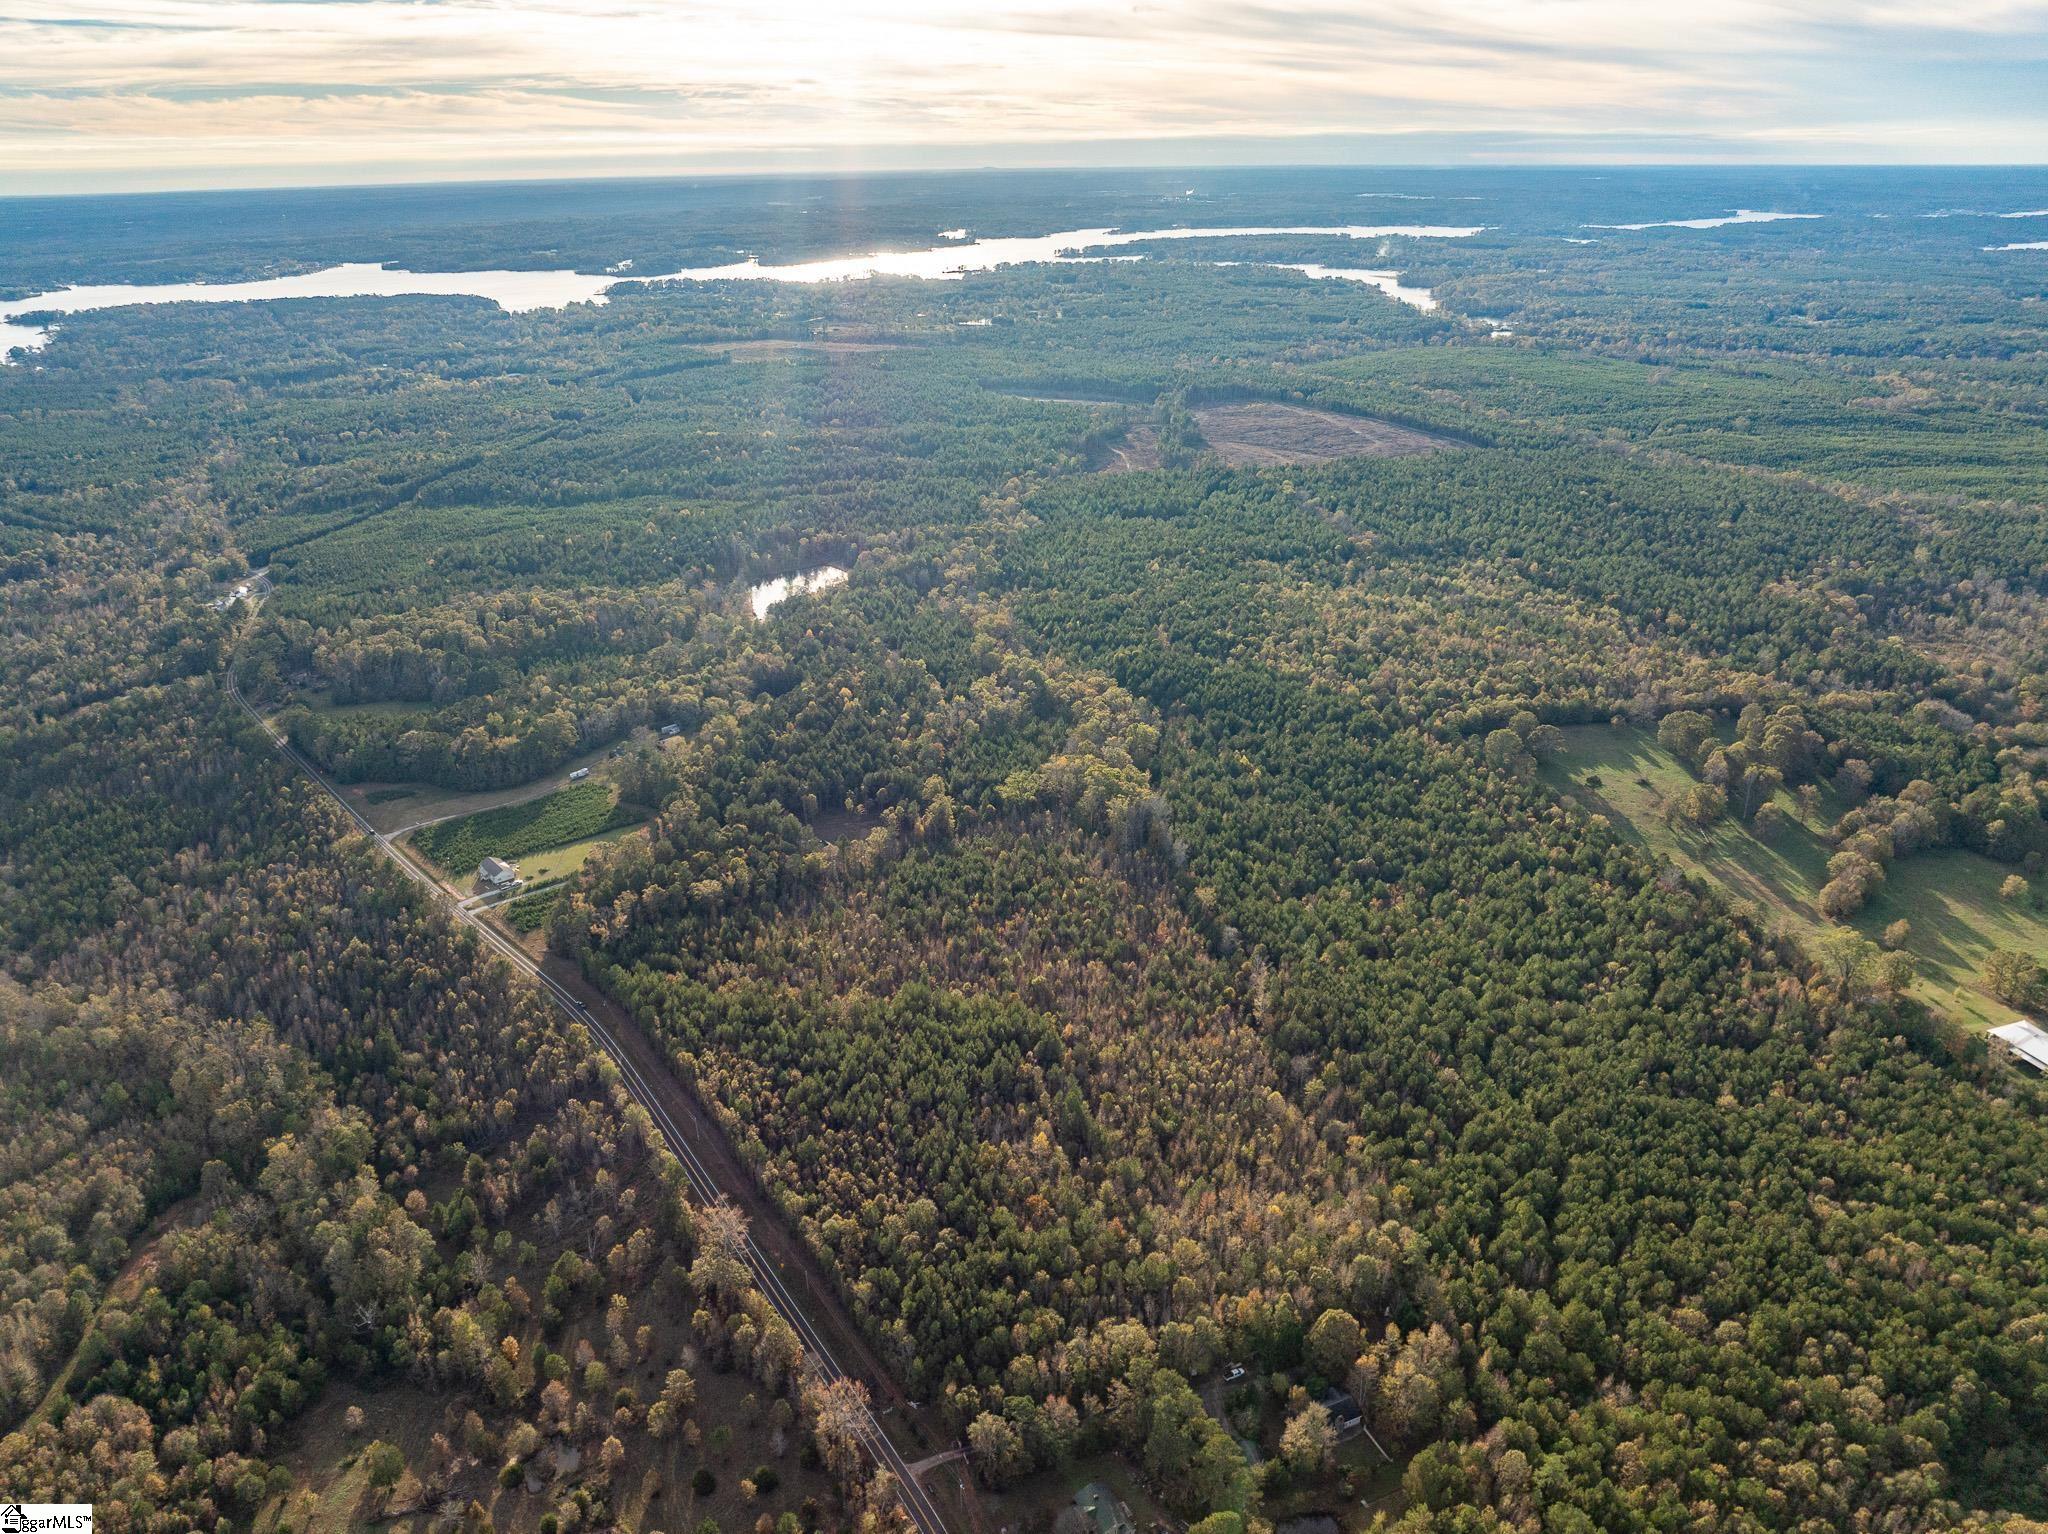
559, 862
317, 703
1950, 897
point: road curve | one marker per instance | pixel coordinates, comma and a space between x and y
818, 1359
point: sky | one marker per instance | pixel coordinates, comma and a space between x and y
107, 95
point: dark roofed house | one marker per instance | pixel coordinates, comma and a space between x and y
1345, 1416
496, 874
1105, 1513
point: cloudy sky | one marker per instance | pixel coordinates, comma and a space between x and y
113, 94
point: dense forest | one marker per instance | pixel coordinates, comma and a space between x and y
1129, 934
279, 1132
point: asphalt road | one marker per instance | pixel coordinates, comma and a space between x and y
818, 1359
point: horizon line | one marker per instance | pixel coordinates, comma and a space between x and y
552, 177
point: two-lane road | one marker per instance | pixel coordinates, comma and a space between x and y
818, 1357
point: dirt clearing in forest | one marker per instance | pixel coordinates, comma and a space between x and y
1258, 432
1138, 448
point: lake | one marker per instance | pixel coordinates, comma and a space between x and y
512, 291
783, 587
516, 291
1388, 283
1739, 216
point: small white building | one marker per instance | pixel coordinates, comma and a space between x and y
2025, 1042
496, 874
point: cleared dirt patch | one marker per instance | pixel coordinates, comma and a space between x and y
834, 826
782, 348
1259, 432
1050, 395
1137, 449
1069, 399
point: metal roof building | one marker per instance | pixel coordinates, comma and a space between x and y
2025, 1042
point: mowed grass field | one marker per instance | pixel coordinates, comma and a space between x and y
1949, 897
555, 862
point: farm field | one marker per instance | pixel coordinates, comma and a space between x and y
1949, 895
528, 914
582, 813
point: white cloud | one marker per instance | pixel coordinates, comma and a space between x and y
171, 88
